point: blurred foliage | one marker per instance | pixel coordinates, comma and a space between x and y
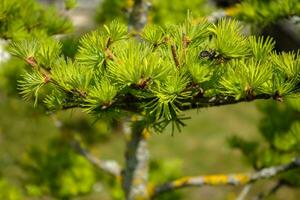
52, 169
57, 171
160, 171
166, 170
70, 4
262, 13
8, 191
10, 72
109, 10
164, 12
280, 128
161, 12
22, 18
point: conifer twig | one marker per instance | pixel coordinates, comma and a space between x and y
223, 179
197, 102
175, 56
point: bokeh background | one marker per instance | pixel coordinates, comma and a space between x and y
37, 161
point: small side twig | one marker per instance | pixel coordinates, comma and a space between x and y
185, 43
175, 57
110, 166
273, 190
244, 192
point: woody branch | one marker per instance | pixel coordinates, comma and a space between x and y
223, 179
109, 166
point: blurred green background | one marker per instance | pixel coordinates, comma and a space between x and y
37, 162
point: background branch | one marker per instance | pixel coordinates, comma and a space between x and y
135, 176
138, 16
273, 190
222, 179
110, 166
245, 191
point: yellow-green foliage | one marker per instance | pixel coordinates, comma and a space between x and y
8, 191
57, 171
280, 128
18, 18
161, 12
262, 13
167, 70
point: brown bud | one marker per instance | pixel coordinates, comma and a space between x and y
31, 61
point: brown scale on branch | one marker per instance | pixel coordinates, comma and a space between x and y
108, 53
175, 56
31, 61
249, 93
278, 97
47, 78
185, 43
143, 83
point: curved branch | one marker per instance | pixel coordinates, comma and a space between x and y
110, 166
244, 192
222, 179
273, 190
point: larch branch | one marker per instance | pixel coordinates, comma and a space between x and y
223, 179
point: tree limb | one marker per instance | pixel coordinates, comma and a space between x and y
273, 190
138, 16
132, 102
110, 166
135, 176
244, 192
222, 179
